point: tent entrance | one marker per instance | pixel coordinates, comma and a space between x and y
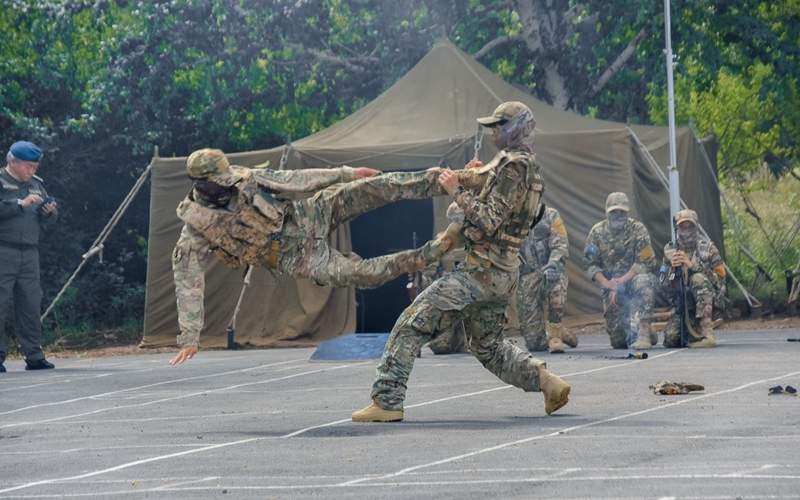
379, 232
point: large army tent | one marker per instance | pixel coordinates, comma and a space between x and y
428, 118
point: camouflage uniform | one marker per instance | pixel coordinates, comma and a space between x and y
614, 254
450, 341
259, 226
497, 222
705, 280
546, 245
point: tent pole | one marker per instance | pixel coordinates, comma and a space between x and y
231, 330
752, 301
674, 180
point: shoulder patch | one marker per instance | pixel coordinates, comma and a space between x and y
558, 227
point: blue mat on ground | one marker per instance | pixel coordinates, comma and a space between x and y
351, 347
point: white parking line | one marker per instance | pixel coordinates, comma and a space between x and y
156, 384
173, 398
285, 436
567, 430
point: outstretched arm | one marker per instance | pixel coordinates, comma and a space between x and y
189, 261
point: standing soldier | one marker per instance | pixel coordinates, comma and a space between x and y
497, 220
24, 208
620, 260
701, 265
543, 283
246, 217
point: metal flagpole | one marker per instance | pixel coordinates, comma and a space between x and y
674, 180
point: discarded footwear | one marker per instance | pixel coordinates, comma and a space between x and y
555, 346
554, 389
374, 413
790, 390
39, 364
675, 388
777, 390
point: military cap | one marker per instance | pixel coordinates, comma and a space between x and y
26, 151
617, 201
503, 113
211, 164
686, 215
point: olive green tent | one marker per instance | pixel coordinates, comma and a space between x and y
427, 118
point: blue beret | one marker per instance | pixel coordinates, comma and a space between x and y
26, 151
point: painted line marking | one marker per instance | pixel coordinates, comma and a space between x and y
571, 429
173, 398
156, 384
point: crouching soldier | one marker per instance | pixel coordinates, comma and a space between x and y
621, 260
543, 285
698, 261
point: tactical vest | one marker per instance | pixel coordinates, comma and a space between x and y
502, 248
245, 232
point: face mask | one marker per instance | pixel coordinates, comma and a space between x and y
617, 220
687, 238
213, 193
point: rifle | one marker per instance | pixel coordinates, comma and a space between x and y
679, 277
414, 279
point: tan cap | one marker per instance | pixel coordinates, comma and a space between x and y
503, 113
686, 215
617, 201
211, 164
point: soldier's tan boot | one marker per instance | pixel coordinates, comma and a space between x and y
555, 345
565, 334
374, 413
436, 248
554, 389
644, 340
707, 331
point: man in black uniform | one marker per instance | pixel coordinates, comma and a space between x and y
24, 208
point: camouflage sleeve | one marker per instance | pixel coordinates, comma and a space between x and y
559, 243
645, 256
717, 264
488, 215
302, 181
189, 262
591, 252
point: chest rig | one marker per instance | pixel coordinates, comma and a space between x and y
502, 248
245, 231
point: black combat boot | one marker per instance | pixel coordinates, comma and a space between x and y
39, 364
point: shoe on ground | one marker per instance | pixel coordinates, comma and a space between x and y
374, 413
703, 343
555, 346
39, 364
565, 334
642, 343
554, 389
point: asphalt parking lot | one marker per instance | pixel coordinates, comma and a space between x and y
272, 424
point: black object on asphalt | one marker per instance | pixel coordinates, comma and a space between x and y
41, 364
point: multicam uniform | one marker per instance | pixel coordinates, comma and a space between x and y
546, 245
260, 226
497, 222
614, 254
706, 285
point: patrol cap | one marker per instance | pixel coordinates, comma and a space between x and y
617, 201
503, 113
26, 151
211, 164
686, 215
